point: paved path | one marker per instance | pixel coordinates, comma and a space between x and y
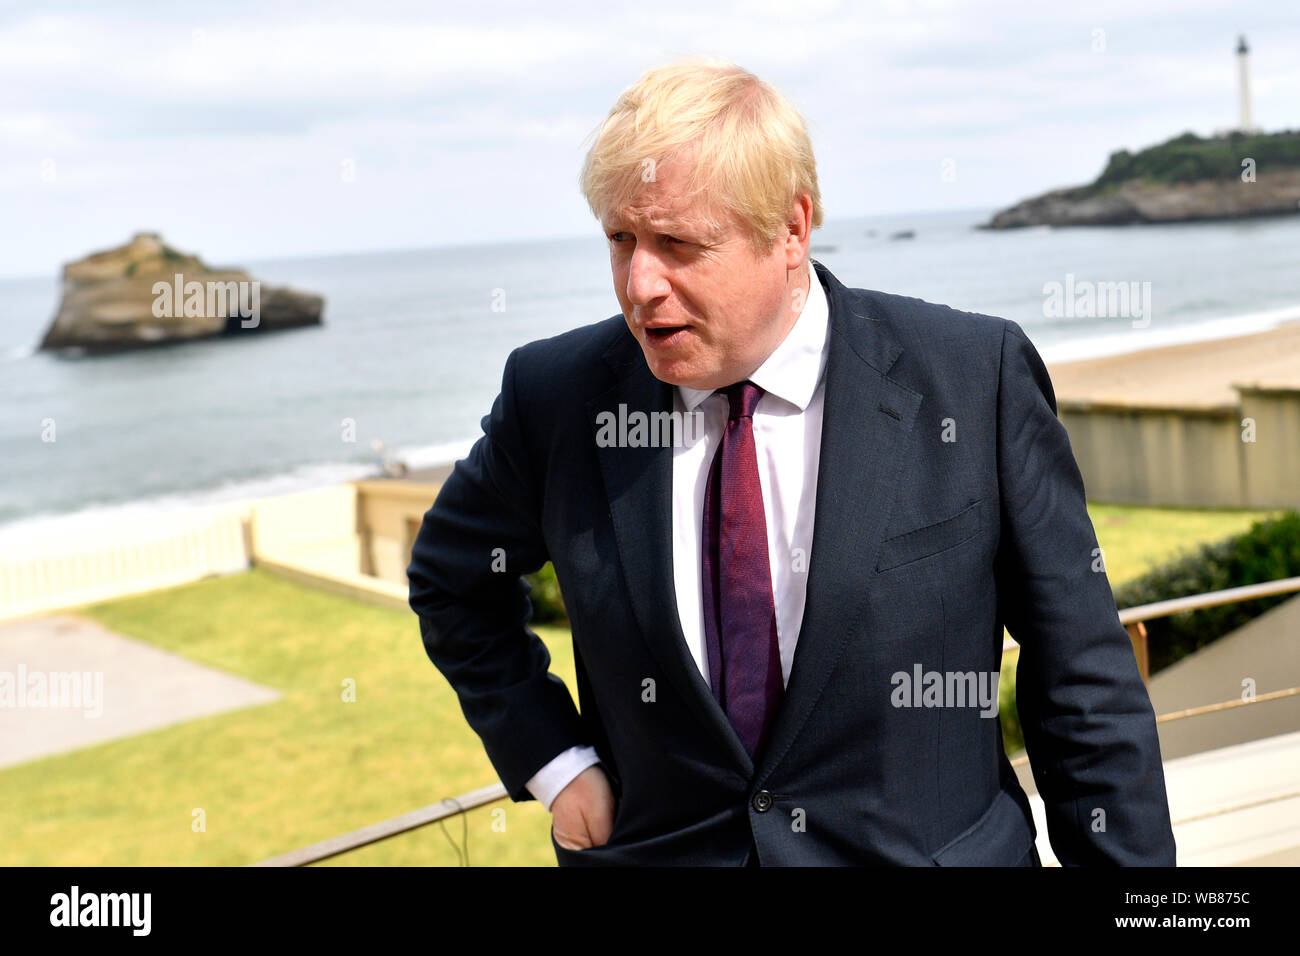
1234, 806
105, 686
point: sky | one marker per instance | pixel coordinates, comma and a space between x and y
245, 131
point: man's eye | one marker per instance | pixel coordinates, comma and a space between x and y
619, 236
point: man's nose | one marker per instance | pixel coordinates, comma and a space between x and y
645, 277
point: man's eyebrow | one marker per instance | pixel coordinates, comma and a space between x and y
664, 227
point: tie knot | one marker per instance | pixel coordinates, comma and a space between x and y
743, 398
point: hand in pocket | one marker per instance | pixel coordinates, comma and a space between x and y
582, 815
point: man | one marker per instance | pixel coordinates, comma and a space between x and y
787, 608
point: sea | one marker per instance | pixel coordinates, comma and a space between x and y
409, 356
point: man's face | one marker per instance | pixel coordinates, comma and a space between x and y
706, 311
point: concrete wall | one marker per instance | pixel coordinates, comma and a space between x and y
1191, 457
358, 587
1157, 456
1272, 461
390, 513
354, 538
316, 528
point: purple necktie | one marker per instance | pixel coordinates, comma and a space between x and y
739, 613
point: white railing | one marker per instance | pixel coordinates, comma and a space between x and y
48, 577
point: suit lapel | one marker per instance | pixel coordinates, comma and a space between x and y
866, 421
639, 483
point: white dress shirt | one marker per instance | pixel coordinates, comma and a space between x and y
787, 441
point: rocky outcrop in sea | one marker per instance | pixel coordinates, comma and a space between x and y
146, 293
1273, 193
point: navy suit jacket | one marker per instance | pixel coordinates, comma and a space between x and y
948, 505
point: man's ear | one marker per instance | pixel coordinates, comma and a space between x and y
799, 226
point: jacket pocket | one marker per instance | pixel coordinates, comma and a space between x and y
1003, 836
931, 539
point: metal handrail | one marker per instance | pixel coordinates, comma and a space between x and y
392, 827
1131, 618
1204, 709
1195, 602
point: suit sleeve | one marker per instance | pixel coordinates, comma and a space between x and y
481, 535
1088, 722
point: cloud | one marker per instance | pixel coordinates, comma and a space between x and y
209, 117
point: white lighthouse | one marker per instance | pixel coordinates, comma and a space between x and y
1246, 123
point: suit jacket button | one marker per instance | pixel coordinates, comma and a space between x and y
762, 801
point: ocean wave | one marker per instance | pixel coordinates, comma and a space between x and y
1135, 340
15, 353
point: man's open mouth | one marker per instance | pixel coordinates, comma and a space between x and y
665, 333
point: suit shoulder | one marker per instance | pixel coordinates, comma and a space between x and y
942, 347
927, 321
571, 358
584, 344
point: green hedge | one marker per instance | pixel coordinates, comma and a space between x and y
548, 603
1269, 550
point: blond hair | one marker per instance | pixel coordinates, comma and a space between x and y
747, 147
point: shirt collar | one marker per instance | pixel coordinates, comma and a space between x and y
793, 370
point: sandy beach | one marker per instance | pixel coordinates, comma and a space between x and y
1191, 374
435, 474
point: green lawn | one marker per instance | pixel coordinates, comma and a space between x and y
310, 766
278, 776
